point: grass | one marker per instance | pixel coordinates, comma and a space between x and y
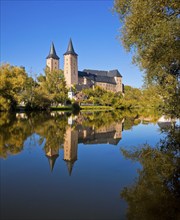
96, 107
84, 108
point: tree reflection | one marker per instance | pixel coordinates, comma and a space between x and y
156, 192
13, 132
51, 127
15, 129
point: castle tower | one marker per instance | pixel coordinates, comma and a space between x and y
52, 154
52, 60
70, 148
70, 66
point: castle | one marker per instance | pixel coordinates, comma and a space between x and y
108, 80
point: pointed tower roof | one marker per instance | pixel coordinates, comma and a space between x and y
52, 161
70, 49
70, 164
52, 53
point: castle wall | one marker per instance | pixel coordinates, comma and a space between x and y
107, 86
70, 70
118, 84
84, 81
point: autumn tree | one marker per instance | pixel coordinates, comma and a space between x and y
12, 82
33, 97
53, 84
151, 29
100, 96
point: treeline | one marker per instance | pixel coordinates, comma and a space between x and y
15, 129
18, 89
133, 98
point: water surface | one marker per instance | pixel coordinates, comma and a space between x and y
61, 166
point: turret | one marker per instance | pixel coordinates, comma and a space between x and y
52, 153
52, 60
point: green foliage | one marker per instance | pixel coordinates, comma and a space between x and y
151, 29
47, 91
50, 90
151, 99
40, 100
99, 96
133, 98
12, 83
142, 98
54, 85
155, 193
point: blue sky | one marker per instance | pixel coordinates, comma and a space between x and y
29, 26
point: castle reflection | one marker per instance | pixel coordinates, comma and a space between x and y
52, 154
76, 132
70, 147
58, 130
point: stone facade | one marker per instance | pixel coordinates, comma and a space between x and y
108, 80
107, 86
52, 64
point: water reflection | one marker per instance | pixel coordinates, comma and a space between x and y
70, 147
156, 192
59, 130
101, 171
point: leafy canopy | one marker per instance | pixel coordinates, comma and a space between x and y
151, 28
12, 82
54, 85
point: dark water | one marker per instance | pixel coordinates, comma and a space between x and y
92, 166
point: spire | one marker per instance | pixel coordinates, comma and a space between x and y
52, 53
52, 160
70, 165
70, 49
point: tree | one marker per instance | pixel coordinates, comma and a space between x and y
12, 82
99, 96
28, 95
132, 97
54, 85
151, 29
34, 97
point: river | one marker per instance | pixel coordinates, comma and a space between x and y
94, 165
